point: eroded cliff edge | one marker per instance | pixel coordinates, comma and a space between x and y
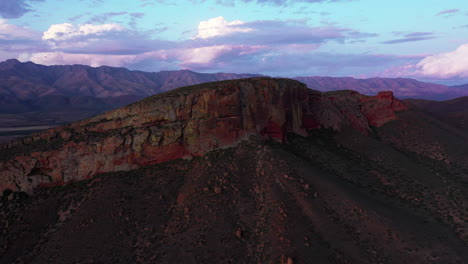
185, 122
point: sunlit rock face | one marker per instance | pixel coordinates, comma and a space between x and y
185, 123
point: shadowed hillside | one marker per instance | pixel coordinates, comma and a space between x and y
454, 112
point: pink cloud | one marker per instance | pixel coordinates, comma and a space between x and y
208, 56
94, 60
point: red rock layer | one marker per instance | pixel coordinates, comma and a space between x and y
184, 123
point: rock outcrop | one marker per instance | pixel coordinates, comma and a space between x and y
185, 123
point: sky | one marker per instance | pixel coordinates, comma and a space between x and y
422, 39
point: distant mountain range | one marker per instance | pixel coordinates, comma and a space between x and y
32, 94
29, 81
401, 87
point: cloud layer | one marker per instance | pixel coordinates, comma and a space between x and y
274, 47
217, 45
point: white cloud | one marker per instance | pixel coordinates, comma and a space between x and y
65, 31
218, 26
448, 65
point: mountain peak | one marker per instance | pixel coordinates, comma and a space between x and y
15, 61
9, 63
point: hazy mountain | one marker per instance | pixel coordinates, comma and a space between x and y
401, 87
34, 95
247, 171
29, 81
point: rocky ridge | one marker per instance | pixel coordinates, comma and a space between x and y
401, 87
185, 123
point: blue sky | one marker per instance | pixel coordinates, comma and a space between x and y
422, 39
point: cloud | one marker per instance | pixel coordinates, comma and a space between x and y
61, 58
96, 60
137, 15
106, 17
218, 26
11, 32
15, 40
445, 65
145, 3
280, 32
15, 8
396, 41
95, 45
418, 34
449, 11
233, 45
213, 56
448, 65
279, 2
105, 39
317, 63
276, 47
67, 31
275, 32
410, 37
286, 61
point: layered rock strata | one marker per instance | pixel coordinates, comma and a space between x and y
184, 123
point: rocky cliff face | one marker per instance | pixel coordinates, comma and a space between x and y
185, 123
